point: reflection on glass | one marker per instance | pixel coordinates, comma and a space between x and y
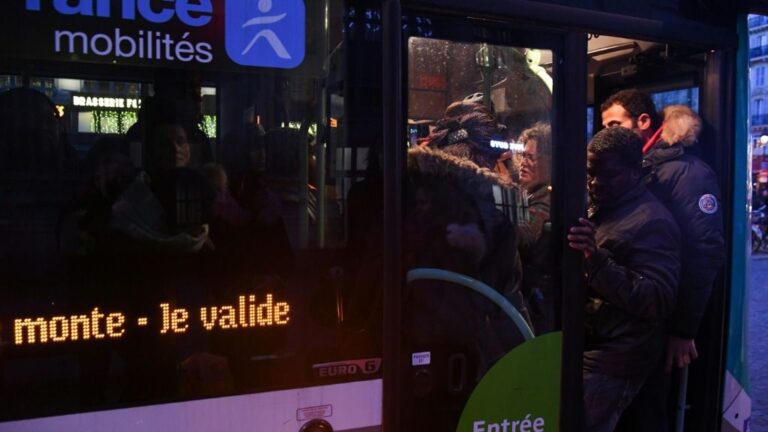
190, 242
8, 82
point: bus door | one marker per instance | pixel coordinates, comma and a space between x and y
490, 293
694, 76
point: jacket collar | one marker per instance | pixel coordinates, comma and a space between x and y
680, 129
653, 139
662, 152
435, 162
538, 191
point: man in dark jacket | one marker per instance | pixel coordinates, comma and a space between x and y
631, 247
688, 188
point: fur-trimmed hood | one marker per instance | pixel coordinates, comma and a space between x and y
434, 162
681, 125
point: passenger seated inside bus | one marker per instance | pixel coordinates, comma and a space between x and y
249, 210
224, 207
352, 277
35, 158
248, 225
108, 172
359, 267
177, 95
31, 136
167, 207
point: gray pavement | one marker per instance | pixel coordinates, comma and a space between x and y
757, 343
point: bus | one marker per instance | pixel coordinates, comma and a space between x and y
213, 213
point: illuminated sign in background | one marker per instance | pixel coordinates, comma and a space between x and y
105, 102
247, 312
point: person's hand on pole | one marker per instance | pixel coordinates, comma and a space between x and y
582, 237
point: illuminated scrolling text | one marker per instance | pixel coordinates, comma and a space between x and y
246, 312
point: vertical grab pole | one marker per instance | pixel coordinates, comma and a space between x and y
568, 205
392, 152
321, 140
681, 401
322, 135
303, 183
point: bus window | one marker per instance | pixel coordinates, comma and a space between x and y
8, 82
478, 255
687, 96
182, 229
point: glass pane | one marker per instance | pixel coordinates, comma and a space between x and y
688, 96
180, 231
8, 82
478, 250
91, 106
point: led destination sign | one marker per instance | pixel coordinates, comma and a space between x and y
247, 312
263, 33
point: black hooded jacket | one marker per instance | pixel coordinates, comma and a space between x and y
633, 276
687, 186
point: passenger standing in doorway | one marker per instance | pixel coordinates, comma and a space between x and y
688, 188
454, 224
631, 248
534, 239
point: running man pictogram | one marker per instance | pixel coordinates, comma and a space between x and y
266, 33
264, 7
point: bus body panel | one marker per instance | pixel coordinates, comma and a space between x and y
349, 407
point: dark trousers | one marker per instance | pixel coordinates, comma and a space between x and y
605, 398
653, 409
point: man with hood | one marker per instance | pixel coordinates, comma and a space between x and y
688, 188
453, 224
452, 180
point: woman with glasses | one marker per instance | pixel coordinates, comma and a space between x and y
533, 232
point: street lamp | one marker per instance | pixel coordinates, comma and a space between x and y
761, 141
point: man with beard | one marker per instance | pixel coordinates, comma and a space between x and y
687, 186
631, 247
